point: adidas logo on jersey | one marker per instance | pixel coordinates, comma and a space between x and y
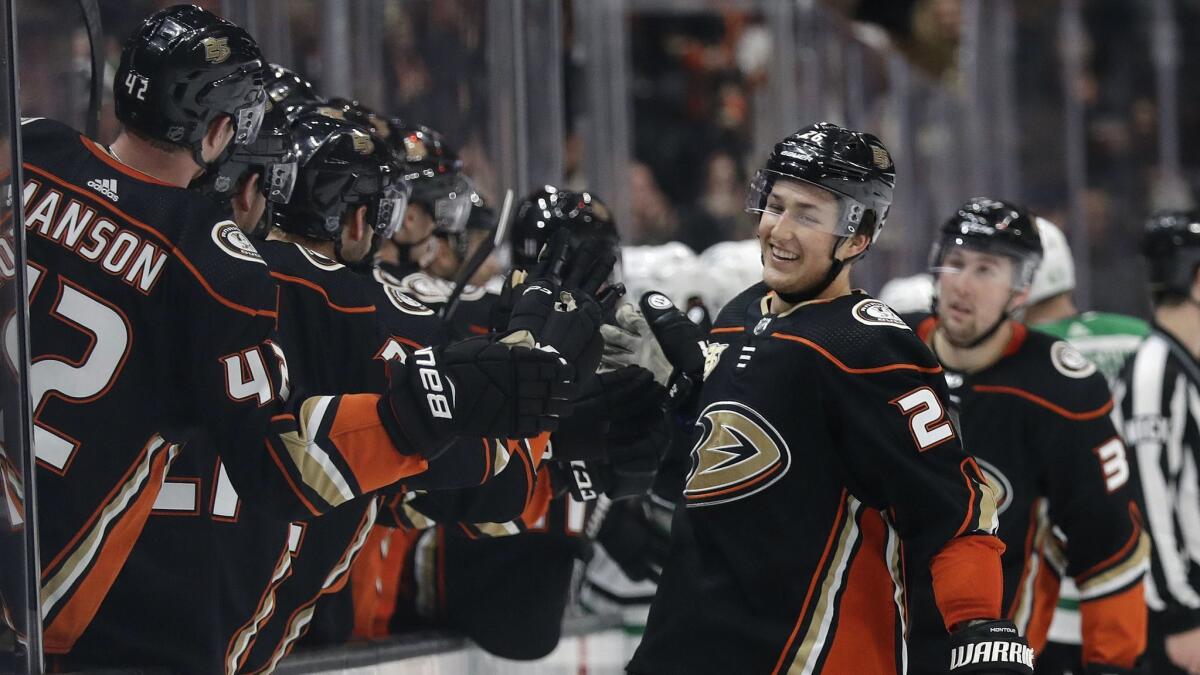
106, 187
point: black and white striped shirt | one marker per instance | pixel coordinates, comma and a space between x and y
1158, 411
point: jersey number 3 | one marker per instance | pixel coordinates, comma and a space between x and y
926, 418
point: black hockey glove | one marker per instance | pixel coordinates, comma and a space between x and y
683, 343
636, 447
475, 387
606, 402
636, 534
990, 648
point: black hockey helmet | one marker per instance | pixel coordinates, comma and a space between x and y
853, 165
549, 209
434, 170
364, 116
272, 156
183, 68
992, 226
341, 166
1171, 246
287, 89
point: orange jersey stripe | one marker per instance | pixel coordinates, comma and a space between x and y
1114, 627
81, 607
365, 309
867, 608
366, 447
968, 582
856, 371
1056, 409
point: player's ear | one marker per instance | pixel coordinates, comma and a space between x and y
220, 134
1019, 299
855, 245
243, 197
358, 224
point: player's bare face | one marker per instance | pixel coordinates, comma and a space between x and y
417, 227
974, 289
795, 236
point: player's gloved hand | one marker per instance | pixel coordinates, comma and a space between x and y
629, 342
636, 447
566, 313
606, 402
682, 342
636, 534
991, 648
477, 387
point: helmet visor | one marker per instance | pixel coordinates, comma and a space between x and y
280, 178
452, 208
983, 261
775, 198
392, 204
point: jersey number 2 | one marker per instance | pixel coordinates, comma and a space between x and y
926, 418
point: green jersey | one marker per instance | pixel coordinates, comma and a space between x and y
1107, 340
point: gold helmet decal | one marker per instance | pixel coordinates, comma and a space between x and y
216, 50
738, 454
362, 142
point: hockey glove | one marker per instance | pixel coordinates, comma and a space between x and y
606, 402
990, 648
635, 451
476, 387
684, 345
636, 534
628, 342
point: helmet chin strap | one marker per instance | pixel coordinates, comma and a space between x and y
987, 334
835, 268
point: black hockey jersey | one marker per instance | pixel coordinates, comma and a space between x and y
1037, 422
823, 450
474, 313
150, 320
1158, 406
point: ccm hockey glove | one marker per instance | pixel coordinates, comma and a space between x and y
990, 648
684, 345
476, 387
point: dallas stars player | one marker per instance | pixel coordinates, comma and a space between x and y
1035, 414
823, 451
1106, 339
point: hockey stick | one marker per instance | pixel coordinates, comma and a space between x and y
472, 265
95, 32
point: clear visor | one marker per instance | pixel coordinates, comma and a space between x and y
249, 119
452, 209
391, 209
775, 198
991, 264
280, 179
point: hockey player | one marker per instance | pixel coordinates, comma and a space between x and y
152, 316
1035, 415
1106, 340
823, 451
441, 197
1158, 395
471, 584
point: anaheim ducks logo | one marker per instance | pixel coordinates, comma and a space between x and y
216, 50
403, 302
740, 453
874, 313
1002, 488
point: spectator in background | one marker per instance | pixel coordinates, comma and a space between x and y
717, 215
654, 220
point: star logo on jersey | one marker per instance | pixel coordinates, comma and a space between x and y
712, 355
739, 453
